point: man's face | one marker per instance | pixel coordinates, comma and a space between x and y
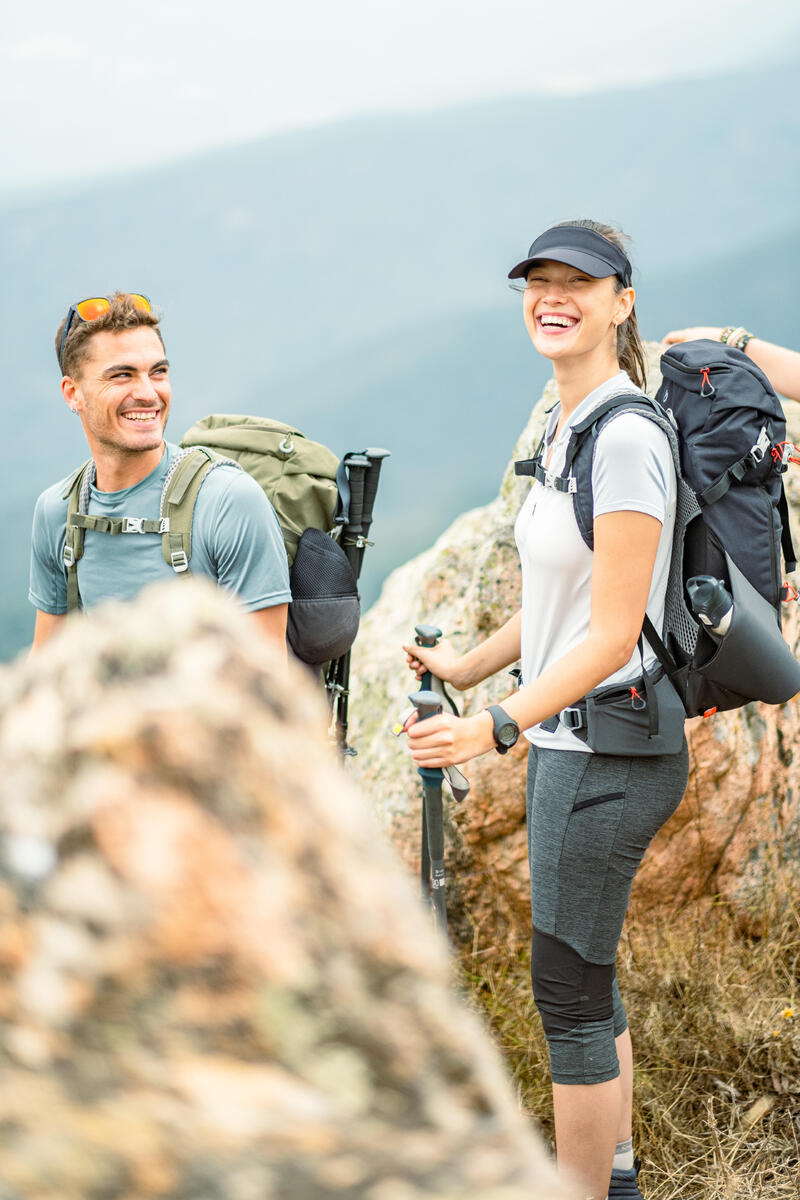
122, 392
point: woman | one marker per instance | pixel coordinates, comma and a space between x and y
590, 815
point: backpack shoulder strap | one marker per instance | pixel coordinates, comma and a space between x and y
178, 497
73, 537
575, 478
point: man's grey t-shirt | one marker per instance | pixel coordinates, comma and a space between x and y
236, 541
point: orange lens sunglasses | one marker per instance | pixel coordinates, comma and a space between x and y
94, 307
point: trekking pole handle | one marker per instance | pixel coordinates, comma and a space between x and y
427, 635
357, 465
376, 457
427, 703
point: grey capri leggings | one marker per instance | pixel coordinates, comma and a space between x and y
590, 819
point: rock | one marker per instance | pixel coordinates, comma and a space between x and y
215, 978
737, 833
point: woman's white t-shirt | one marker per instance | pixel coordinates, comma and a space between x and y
632, 471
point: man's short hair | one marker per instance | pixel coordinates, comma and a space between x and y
121, 314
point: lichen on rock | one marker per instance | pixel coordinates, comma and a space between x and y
215, 977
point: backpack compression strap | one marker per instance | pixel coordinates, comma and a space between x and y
787, 545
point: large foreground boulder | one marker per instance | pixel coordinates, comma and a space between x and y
215, 980
736, 834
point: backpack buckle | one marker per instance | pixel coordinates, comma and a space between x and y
179, 561
761, 447
163, 525
69, 556
133, 524
572, 718
551, 481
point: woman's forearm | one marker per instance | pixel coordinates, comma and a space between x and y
575, 674
779, 364
498, 651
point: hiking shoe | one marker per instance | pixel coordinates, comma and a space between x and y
623, 1185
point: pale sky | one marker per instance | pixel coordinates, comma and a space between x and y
103, 86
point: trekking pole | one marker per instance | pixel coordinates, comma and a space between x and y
375, 456
363, 472
428, 701
338, 676
428, 704
428, 635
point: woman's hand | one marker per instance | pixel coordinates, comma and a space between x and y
445, 740
692, 335
440, 659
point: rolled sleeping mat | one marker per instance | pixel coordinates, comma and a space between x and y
325, 610
752, 659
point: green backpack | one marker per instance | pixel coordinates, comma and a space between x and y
310, 490
299, 476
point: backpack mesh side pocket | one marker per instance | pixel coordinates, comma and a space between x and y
325, 609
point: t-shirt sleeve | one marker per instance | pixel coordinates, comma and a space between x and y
632, 468
47, 589
244, 539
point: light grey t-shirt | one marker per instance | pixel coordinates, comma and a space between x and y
236, 541
632, 471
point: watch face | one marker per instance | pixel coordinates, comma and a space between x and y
507, 734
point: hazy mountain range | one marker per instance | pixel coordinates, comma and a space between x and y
352, 278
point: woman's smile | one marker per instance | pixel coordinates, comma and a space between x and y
556, 324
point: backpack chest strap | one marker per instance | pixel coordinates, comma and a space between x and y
117, 525
548, 479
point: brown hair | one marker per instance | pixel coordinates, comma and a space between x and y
121, 314
630, 351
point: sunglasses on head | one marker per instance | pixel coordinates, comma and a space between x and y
94, 307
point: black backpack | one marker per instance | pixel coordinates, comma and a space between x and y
727, 432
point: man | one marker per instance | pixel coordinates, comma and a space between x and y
116, 380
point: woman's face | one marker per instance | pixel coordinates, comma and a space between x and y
569, 313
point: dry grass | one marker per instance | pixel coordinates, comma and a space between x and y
715, 1022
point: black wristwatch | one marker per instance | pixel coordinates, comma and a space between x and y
506, 730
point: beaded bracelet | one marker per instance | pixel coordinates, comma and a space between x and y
736, 336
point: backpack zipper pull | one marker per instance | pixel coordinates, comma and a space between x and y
706, 383
638, 702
